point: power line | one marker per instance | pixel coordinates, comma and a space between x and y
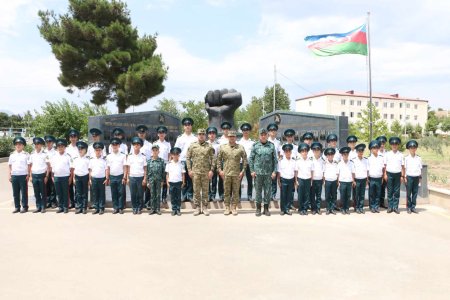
299, 85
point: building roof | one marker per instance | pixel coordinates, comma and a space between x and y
364, 95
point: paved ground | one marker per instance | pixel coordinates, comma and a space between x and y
50, 256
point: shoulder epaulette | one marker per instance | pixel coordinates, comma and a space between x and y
311, 158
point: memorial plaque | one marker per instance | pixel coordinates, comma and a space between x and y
319, 125
129, 121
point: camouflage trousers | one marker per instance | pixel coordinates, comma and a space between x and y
263, 182
231, 187
201, 189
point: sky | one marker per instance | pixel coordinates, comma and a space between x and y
215, 44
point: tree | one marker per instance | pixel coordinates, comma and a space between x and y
99, 50
418, 130
432, 123
57, 118
396, 128
4, 120
197, 111
361, 127
168, 106
282, 101
445, 124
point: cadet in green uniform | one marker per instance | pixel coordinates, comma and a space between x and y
263, 167
229, 168
200, 165
155, 177
18, 174
413, 175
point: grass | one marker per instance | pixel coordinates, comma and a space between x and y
438, 166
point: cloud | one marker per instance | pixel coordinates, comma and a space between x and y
160, 4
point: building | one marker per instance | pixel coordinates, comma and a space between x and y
350, 104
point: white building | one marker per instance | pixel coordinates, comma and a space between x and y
350, 104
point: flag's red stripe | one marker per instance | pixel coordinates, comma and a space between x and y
359, 37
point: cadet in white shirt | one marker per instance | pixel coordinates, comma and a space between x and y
183, 142
137, 168
95, 133
345, 179
146, 149
247, 143
81, 171
272, 128
50, 186
62, 168
117, 174
413, 172
360, 173
286, 179
175, 178
394, 174
18, 174
289, 135
39, 173
305, 168
317, 182
382, 140
98, 179
308, 138
164, 153
225, 126
332, 143
212, 134
120, 134
72, 150
330, 175
351, 142
375, 164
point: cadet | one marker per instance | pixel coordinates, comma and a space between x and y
345, 179
137, 168
183, 142
229, 168
332, 143
272, 128
247, 143
200, 164
120, 134
375, 165
81, 172
226, 127
50, 186
289, 135
18, 174
351, 142
175, 177
95, 133
394, 174
98, 179
155, 179
304, 167
330, 174
317, 182
360, 173
164, 153
286, 179
263, 166
62, 167
413, 171
72, 150
382, 140
116, 162
212, 133
308, 138
39, 174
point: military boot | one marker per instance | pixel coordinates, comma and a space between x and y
258, 210
206, 211
266, 210
227, 211
197, 211
234, 210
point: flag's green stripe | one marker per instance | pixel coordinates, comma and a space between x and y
347, 48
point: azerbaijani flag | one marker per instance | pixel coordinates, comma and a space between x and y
353, 42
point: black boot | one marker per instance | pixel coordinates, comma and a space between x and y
266, 210
258, 210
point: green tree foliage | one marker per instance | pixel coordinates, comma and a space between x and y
445, 124
432, 122
282, 101
361, 129
99, 50
396, 128
197, 111
6, 146
169, 106
57, 118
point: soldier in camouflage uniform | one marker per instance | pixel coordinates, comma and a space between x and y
155, 177
263, 166
200, 163
229, 167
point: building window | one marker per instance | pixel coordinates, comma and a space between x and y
376, 104
415, 118
401, 105
400, 117
358, 103
310, 103
385, 104
343, 114
359, 115
352, 102
392, 105
352, 114
342, 101
392, 116
408, 105
415, 106
407, 117
385, 116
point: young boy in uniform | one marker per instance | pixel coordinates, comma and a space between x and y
360, 169
155, 179
413, 172
62, 167
164, 153
394, 174
39, 173
287, 174
98, 179
345, 179
81, 172
317, 182
137, 168
212, 134
18, 174
117, 174
304, 167
330, 174
72, 150
375, 165
95, 133
50, 186
175, 178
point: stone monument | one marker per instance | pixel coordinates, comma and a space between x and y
221, 105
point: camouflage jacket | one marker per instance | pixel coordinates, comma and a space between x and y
230, 157
200, 158
156, 170
263, 158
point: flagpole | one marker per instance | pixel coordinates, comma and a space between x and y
274, 84
370, 78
